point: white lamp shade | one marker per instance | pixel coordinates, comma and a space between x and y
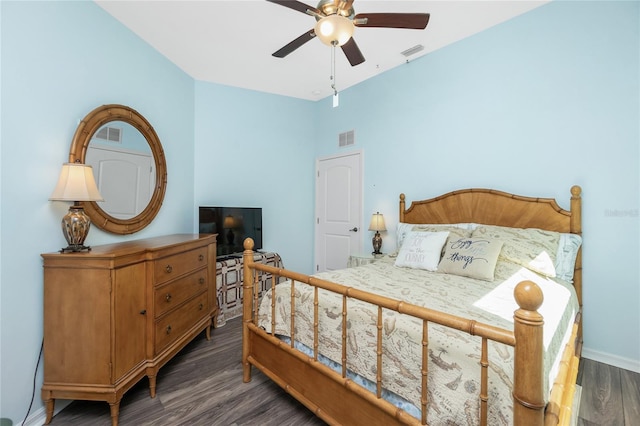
377, 223
334, 28
76, 183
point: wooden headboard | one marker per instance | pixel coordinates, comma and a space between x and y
491, 207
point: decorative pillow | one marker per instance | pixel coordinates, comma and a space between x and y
535, 249
566, 256
471, 257
461, 229
422, 250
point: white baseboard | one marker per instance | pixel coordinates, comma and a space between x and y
615, 360
38, 418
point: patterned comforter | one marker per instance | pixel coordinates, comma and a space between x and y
454, 356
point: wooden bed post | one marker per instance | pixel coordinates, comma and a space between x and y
247, 297
576, 228
528, 399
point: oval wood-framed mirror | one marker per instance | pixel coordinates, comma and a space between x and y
79, 146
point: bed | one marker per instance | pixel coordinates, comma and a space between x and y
487, 333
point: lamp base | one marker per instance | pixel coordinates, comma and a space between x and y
75, 249
230, 237
377, 243
75, 227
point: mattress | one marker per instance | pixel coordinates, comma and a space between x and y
453, 356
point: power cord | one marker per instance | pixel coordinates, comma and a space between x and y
35, 374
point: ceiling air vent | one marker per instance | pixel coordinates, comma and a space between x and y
413, 50
346, 138
109, 134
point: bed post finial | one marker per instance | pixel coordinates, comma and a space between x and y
528, 400
576, 210
247, 295
528, 296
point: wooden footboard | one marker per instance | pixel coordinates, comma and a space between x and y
338, 400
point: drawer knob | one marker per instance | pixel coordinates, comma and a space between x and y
201, 280
201, 306
169, 269
143, 312
168, 329
168, 297
200, 258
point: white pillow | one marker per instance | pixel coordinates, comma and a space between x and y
566, 256
422, 250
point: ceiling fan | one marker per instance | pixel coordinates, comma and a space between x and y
336, 21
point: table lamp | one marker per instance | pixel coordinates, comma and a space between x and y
76, 183
377, 224
229, 223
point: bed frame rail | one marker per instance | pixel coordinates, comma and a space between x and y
281, 361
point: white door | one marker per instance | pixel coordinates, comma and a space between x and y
338, 210
125, 180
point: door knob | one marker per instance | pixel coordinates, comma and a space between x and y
355, 229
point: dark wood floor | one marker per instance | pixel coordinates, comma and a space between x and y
203, 385
610, 395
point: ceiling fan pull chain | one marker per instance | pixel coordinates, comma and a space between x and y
333, 69
333, 74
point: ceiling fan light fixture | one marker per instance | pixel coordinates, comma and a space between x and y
334, 30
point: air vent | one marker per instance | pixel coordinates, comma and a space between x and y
346, 138
109, 134
413, 50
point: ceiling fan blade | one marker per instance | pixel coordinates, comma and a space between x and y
295, 5
414, 21
352, 52
295, 44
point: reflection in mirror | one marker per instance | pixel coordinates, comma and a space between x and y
124, 169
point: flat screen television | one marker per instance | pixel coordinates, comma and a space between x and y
233, 225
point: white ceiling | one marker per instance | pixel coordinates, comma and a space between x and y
231, 42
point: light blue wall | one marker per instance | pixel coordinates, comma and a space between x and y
60, 60
257, 150
533, 106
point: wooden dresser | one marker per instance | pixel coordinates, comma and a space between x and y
121, 311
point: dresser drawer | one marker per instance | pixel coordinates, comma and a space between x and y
168, 296
171, 267
177, 322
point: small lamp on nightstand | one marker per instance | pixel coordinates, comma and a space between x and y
76, 183
377, 224
229, 223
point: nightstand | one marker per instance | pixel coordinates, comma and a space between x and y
362, 259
